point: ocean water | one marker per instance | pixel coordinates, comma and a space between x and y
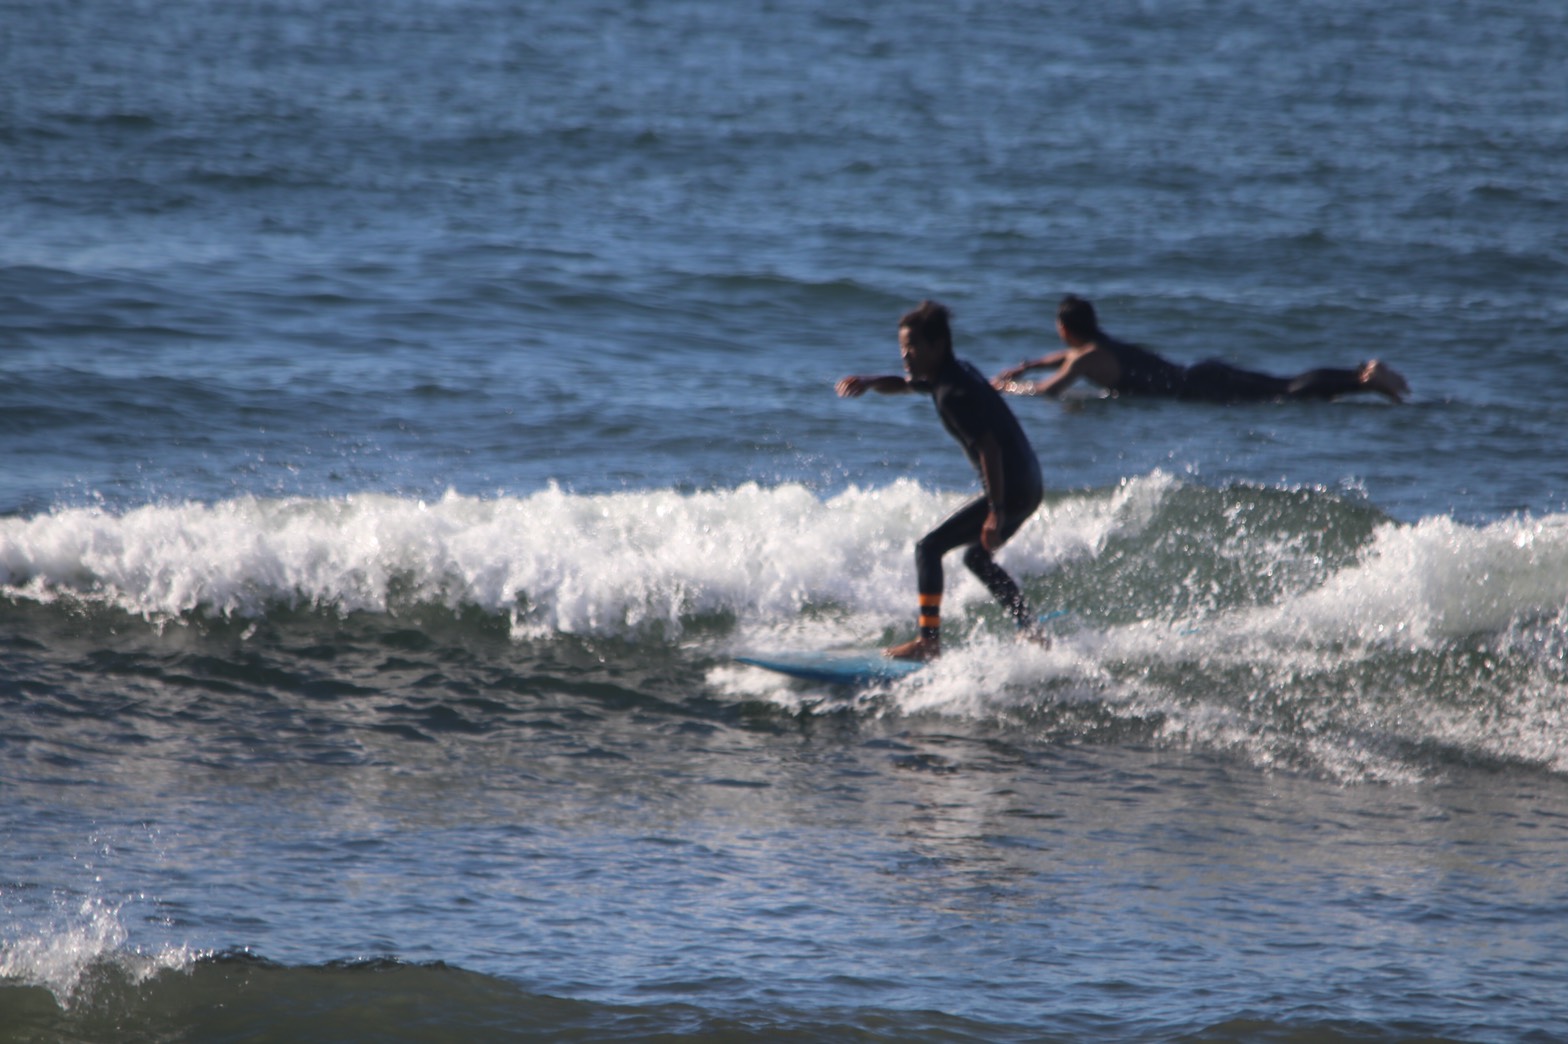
410, 409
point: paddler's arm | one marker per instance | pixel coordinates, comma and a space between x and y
890, 384
1012, 373
1091, 364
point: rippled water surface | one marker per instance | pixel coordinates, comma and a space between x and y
410, 410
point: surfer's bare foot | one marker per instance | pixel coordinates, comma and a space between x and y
920, 649
1035, 635
1380, 377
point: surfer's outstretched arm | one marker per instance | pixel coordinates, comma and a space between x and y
853, 387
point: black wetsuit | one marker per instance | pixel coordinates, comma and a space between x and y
970, 408
1145, 373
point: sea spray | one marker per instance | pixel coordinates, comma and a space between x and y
83, 943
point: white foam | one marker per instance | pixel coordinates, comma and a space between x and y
611, 563
90, 935
557, 561
1417, 586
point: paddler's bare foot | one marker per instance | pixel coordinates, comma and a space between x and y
1380, 377
919, 649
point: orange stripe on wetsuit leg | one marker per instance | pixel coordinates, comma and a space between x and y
931, 610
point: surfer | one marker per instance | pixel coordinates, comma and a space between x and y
1127, 369
975, 414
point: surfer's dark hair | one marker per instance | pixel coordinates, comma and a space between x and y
1077, 317
930, 322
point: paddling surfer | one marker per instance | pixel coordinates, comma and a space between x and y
1126, 369
975, 414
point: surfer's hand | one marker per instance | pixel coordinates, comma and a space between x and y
988, 539
853, 387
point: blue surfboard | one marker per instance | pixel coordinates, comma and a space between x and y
856, 670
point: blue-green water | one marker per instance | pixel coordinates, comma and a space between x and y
410, 409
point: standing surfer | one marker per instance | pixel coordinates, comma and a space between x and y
975, 414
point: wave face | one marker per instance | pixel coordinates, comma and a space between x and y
1295, 626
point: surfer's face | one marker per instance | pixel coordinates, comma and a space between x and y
922, 359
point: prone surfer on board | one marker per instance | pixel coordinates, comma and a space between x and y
1127, 369
976, 415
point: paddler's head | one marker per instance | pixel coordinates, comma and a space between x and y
1076, 321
